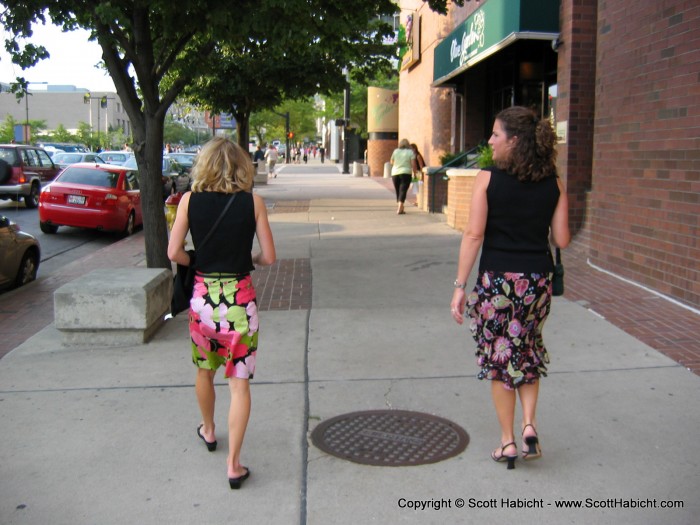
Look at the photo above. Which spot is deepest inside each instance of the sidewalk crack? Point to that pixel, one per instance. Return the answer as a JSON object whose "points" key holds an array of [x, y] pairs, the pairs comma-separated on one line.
{"points": [[387, 402]]}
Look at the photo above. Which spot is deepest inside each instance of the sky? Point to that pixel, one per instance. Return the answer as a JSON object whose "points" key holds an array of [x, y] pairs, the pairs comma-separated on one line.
{"points": [[72, 60]]}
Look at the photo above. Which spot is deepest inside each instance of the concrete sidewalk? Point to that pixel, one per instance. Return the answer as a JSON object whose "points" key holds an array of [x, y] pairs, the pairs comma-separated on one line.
{"points": [[107, 435]]}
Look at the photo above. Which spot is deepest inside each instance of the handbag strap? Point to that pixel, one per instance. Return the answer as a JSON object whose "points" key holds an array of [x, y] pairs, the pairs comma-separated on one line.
{"points": [[557, 252], [228, 205]]}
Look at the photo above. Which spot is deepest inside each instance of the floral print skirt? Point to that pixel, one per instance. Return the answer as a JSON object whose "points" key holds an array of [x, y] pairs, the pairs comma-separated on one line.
{"points": [[224, 324], [507, 312]]}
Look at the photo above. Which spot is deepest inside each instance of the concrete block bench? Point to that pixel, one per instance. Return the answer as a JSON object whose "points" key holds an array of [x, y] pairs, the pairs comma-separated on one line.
{"points": [[113, 306], [260, 172]]}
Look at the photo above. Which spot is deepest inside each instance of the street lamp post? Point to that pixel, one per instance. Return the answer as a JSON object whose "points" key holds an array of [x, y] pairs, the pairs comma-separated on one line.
{"points": [[101, 103], [346, 122], [26, 121]]}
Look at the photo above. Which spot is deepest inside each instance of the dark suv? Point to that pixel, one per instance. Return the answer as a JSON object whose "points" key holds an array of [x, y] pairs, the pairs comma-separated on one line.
{"points": [[23, 171]]}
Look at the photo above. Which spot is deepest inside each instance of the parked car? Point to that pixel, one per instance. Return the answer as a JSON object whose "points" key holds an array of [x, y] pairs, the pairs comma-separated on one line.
{"points": [[186, 160], [65, 159], [97, 196], [174, 176], [19, 255], [52, 151], [67, 147], [118, 158], [23, 171]]}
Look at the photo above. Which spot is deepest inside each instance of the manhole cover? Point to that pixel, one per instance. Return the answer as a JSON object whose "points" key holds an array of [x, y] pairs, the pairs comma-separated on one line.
{"points": [[391, 438]]}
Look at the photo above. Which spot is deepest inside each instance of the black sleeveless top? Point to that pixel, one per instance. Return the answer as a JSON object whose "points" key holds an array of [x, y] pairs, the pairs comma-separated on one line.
{"points": [[228, 250], [517, 228]]}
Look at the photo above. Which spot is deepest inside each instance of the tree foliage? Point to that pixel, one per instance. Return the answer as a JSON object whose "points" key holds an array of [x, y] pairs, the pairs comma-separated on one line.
{"points": [[142, 42], [441, 6], [154, 49], [260, 73]]}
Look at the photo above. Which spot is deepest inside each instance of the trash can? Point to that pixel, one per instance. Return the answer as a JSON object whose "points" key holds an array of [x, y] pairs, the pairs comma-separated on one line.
{"points": [[171, 204], [357, 169], [387, 170]]}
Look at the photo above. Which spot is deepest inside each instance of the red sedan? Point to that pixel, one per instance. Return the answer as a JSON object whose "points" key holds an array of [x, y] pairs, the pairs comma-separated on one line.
{"points": [[97, 196]]}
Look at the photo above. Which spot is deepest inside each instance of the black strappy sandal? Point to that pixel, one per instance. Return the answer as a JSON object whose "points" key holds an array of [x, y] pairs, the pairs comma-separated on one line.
{"points": [[503, 457], [531, 445]]}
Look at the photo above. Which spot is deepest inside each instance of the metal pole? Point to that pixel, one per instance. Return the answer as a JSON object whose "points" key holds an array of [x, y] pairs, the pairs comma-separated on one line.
{"points": [[346, 122], [286, 134], [26, 122]]}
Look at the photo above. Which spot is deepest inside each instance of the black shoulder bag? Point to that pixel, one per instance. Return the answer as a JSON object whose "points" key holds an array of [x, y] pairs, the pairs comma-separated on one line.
{"points": [[558, 278], [183, 282]]}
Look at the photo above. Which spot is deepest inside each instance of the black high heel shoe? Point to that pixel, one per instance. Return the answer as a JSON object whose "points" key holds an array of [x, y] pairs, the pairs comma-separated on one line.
{"points": [[211, 445], [235, 483], [503, 457], [531, 445]]}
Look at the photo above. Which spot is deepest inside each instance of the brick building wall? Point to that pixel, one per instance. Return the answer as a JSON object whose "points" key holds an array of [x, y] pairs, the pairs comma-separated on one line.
{"points": [[645, 216], [576, 70], [379, 152], [425, 112], [459, 188]]}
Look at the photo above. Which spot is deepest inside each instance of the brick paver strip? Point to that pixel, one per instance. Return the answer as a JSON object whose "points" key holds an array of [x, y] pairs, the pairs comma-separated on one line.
{"points": [[286, 285]]}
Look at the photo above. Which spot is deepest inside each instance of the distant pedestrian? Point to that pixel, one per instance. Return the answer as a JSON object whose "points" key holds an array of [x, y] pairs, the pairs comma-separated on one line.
{"points": [[306, 155], [258, 155], [223, 315], [514, 207], [401, 172], [271, 156], [418, 165], [322, 153]]}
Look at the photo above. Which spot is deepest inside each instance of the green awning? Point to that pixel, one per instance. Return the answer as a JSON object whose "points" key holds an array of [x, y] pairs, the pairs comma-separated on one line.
{"points": [[495, 25]]}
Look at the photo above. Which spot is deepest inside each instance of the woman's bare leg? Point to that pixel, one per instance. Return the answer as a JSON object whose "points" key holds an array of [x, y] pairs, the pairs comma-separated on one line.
{"points": [[528, 400], [238, 415], [504, 401], [206, 397]]}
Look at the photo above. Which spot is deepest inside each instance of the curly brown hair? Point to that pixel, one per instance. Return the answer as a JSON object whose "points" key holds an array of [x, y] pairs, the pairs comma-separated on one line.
{"points": [[533, 156]]}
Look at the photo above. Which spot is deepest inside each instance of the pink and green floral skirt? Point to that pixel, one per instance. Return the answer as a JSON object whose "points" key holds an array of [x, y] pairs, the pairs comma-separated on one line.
{"points": [[224, 324], [507, 312]]}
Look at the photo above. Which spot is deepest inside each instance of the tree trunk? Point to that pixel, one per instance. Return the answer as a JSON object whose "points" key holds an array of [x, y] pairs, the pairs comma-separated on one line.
{"points": [[243, 129], [149, 158]]}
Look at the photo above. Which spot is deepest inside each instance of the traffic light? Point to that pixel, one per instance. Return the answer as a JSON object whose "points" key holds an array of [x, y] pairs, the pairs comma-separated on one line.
{"points": [[290, 135], [86, 98], [103, 102]]}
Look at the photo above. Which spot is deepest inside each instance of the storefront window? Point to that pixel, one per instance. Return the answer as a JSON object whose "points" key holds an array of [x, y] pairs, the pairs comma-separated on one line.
{"points": [[531, 96], [552, 99]]}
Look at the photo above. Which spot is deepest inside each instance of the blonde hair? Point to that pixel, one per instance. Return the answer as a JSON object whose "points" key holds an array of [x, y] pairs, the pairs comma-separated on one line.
{"points": [[222, 166], [404, 144]]}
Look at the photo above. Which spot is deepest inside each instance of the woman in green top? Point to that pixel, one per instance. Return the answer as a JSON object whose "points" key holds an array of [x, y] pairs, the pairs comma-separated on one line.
{"points": [[402, 166]]}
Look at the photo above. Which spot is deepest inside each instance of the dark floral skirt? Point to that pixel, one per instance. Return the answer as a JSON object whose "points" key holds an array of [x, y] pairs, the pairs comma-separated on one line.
{"points": [[507, 312]]}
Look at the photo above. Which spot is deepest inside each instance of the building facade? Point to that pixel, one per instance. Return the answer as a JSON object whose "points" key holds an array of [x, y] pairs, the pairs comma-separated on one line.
{"points": [[67, 106], [620, 82]]}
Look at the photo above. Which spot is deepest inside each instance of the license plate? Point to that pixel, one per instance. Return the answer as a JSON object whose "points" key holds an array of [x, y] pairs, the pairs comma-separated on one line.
{"points": [[76, 199]]}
